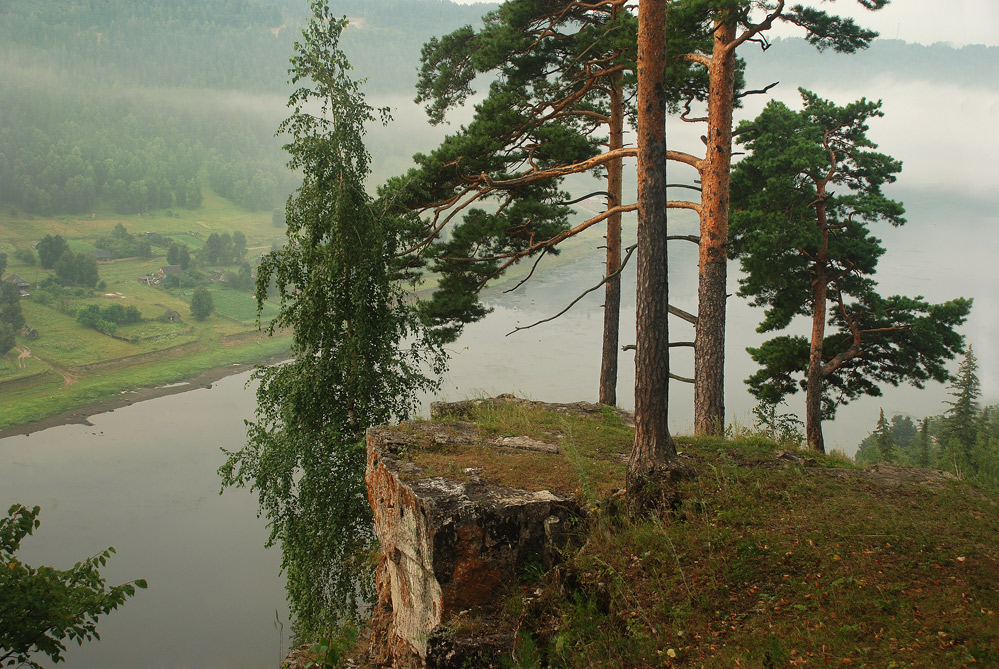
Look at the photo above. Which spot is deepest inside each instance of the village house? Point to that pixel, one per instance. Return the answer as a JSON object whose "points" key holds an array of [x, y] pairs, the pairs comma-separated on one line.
{"points": [[169, 270], [103, 256], [22, 284]]}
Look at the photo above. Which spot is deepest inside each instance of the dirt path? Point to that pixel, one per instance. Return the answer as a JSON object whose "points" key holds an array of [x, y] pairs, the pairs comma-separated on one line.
{"points": [[22, 363], [68, 378]]}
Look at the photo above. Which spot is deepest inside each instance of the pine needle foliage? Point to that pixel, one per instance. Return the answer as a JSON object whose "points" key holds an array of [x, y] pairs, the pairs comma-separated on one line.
{"points": [[961, 424], [803, 205]]}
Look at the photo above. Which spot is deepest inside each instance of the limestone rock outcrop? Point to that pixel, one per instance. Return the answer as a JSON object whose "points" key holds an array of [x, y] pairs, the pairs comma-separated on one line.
{"points": [[447, 546]]}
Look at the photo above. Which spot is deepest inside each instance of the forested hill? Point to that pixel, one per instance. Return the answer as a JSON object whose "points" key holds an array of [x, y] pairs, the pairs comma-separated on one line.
{"points": [[217, 44], [123, 106], [794, 60]]}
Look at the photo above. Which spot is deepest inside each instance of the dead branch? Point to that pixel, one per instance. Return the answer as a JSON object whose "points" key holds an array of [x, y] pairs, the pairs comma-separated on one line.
{"points": [[681, 314], [685, 158], [687, 186], [672, 344], [698, 58], [531, 273], [755, 29], [685, 115], [683, 204], [584, 197], [624, 263], [758, 91]]}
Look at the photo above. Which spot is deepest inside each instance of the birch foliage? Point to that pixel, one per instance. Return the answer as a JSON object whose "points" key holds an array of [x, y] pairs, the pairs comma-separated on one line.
{"points": [[359, 352]]}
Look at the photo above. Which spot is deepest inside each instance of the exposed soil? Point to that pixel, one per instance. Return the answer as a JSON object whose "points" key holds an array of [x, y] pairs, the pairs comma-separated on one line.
{"points": [[25, 353]]}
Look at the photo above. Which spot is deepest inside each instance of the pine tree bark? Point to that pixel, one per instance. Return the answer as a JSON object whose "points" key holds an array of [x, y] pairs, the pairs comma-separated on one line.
{"points": [[709, 351], [813, 386], [653, 445], [813, 383], [612, 289]]}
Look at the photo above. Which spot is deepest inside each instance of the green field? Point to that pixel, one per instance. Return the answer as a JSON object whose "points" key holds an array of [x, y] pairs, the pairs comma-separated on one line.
{"points": [[190, 240], [69, 366], [241, 306]]}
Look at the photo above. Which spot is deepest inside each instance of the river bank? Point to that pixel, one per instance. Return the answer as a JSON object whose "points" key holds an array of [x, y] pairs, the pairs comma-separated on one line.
{"points": [[81, 415]]}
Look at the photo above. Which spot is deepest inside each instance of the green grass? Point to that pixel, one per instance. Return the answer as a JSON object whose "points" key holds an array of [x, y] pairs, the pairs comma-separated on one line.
{"points": [[13, 368], [764, 563], [191, 241], [241, 306], [66, 343], [587, 466], [71, 366], [51, 396], [215, 215]]}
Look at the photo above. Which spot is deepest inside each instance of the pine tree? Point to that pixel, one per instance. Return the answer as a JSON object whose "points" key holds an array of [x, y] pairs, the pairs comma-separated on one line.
{"points": [[904, 433], [563, 74], [733, 24], [924, 444], [985, 455], [803, 202], [961, 419], [883, 439]]}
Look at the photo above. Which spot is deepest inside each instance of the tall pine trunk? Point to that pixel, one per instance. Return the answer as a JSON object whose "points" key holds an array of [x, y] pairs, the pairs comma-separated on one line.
{"points": [[813, 387], [709, 349], [612, 289], [813, 383], [653, 445]]}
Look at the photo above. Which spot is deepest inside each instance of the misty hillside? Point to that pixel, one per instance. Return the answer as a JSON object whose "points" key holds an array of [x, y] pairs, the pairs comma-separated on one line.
{"points": [[794, 60], [125, 106], [218, 44]]}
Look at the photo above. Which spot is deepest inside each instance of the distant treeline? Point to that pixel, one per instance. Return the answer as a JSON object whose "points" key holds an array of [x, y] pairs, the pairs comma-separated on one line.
{"points": [[218, 44], [133, 105], [793, 60], [74, 150], [210, 43]]}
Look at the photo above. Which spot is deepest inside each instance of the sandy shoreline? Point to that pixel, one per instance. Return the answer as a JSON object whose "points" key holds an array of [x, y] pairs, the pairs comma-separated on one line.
{"points": [[81, 415]]}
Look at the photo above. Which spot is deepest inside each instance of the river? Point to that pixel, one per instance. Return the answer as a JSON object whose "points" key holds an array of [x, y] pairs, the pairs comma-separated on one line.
{"points": [[142, 478]]}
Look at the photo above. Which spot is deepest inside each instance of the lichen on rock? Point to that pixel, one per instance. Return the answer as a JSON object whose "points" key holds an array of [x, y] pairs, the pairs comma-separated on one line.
{"points": [[447, 545]]}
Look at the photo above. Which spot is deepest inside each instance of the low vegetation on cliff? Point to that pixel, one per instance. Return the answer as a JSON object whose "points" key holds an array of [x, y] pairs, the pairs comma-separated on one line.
{"points": [[770, 558]]}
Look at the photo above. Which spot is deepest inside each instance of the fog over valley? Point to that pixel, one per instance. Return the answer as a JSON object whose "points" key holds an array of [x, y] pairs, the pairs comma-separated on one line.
{"points": [[143, 136]]}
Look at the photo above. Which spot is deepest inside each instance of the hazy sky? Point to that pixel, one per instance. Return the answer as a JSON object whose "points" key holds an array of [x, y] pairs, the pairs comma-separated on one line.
{"points": [[925, 21]]}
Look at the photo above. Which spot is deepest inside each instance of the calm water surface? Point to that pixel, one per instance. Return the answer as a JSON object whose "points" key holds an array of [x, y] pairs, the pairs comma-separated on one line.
{"points": [[143, 477]]}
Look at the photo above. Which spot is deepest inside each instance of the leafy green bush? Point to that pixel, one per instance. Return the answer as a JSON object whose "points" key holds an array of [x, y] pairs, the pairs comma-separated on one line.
{"points": [[27, 256], [202, 304], [42, 607]]}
